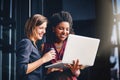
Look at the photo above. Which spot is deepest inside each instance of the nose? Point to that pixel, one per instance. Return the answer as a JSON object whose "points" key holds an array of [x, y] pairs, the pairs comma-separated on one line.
{"points": [[44, 30], [64, 31]]}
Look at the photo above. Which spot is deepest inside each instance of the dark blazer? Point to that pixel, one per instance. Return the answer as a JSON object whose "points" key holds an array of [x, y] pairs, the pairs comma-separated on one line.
{"points": [[27, 53]]}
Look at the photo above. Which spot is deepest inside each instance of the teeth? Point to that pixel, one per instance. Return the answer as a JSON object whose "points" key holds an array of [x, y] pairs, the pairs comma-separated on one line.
{"points": [[63, 36]]}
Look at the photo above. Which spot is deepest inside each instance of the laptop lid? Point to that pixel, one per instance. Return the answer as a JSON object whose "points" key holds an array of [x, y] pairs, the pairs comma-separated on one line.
{"points": [[82, 48]]}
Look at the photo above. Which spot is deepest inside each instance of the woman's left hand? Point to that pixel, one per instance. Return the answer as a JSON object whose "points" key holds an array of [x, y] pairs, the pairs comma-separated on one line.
{"points": [[75, 67]]}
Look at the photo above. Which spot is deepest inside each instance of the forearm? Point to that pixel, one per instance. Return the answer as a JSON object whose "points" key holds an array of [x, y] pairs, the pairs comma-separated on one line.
{"points": [[46, 58], [34, 65]]}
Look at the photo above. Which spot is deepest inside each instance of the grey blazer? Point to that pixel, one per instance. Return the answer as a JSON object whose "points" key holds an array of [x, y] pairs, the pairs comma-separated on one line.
{"points": [[27, 53]]}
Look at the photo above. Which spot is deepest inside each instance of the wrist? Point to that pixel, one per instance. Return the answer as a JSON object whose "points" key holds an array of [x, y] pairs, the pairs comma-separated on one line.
{"points": [[76, 73], [43, 60]]}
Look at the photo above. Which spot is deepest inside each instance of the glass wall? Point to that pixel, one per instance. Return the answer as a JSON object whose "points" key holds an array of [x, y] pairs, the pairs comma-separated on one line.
{"points": [[115, 40]]}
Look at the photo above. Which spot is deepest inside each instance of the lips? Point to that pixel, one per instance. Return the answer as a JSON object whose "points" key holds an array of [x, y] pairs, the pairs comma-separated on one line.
{"points": [[63, 36], [40, 35]]}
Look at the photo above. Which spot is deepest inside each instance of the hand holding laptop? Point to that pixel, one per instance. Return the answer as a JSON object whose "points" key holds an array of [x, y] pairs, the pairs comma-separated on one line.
{"points": [[74, 67]]}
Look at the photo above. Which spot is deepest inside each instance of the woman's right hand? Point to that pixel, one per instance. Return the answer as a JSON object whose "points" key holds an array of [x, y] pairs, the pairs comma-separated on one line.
{"points": [[49, 56]]}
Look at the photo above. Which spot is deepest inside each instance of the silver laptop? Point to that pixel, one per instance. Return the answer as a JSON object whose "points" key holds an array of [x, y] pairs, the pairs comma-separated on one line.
{"points": [[79, 47]]}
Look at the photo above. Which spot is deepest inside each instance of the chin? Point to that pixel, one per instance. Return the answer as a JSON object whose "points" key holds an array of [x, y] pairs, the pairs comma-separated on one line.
{"points": [[40, 38], [63, 39]]}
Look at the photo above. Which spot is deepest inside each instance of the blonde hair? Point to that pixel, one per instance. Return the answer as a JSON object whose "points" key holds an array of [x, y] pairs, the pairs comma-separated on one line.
{"points": [[32, 22]]}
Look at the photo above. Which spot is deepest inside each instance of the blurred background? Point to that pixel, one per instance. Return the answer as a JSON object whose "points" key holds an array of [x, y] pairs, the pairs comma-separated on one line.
{"points": [[92, 18]]}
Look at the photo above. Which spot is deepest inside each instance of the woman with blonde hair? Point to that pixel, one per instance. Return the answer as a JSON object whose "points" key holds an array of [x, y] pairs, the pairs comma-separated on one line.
{"points": [[29, 59]]}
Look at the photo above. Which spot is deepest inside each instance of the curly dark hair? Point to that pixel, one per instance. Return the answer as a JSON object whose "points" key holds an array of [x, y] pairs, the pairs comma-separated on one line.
{"points": [[54, 20]]}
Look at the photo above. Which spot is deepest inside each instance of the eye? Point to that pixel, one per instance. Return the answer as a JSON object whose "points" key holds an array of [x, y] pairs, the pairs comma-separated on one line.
{"points": [[61, 28], [41, 27], [67, 29]]}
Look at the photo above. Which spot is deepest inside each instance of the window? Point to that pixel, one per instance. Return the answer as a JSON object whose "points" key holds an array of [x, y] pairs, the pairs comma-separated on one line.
{"points": [[115, 40]]}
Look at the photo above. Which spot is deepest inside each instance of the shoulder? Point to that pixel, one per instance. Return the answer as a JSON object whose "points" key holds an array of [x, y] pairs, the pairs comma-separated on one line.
{"points": [[25, 40], [24, 43]]}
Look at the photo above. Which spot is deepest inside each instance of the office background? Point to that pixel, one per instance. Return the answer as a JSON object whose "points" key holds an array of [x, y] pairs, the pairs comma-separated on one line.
{"points": [[92, 18]]}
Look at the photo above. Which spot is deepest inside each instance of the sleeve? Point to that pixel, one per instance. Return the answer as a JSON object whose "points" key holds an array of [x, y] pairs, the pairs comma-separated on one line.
{"points": [[23, 52]]}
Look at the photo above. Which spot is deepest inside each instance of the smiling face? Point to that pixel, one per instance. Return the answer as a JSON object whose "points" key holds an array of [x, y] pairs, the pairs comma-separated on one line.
{"points": [[35, 27], [62, 30], [40, 31]]}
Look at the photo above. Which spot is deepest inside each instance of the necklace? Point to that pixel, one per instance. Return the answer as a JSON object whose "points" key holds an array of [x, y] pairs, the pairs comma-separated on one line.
{"points": [[58, 46]]}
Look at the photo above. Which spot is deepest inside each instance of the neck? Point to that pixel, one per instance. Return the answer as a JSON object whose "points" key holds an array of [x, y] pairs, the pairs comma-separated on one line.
{"points": [[33, 40], [58, 45]]}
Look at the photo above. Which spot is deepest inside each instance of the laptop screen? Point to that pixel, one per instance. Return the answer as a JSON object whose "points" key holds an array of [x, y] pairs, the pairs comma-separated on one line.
{"points": [[82, 48]]}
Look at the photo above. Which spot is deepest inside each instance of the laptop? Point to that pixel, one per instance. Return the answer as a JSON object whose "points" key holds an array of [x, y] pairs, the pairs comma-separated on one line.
{"points": [[78, 47]]}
